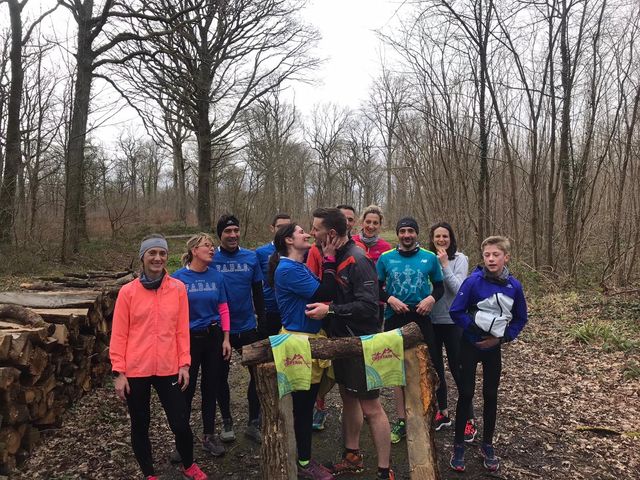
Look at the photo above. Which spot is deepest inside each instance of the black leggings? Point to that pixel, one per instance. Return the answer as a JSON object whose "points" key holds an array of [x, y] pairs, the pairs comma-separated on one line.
{"points": [[491, 361], [239, 340], [303, 401], [206, 350], [447, 336], [173, 402]]}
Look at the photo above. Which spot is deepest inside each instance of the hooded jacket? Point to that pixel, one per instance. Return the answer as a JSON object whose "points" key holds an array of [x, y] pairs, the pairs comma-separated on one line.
{"points": [[488, 306]]}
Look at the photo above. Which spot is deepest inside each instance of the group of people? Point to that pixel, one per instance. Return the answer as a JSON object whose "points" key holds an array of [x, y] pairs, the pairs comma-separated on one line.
{"points": [[168, 329]]}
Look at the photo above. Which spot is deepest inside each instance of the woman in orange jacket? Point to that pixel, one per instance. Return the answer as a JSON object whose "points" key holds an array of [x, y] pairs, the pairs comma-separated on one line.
{"points": [[150, 347]]}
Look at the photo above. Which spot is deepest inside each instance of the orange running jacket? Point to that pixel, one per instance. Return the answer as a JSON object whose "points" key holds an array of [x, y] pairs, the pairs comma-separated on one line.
{"points": [[150, 331]]}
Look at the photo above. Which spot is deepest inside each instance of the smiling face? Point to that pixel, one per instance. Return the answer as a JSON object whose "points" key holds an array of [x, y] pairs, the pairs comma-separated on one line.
{"points": [[153, 262], [494, 259], [371, 224], [230, 238], [299, 240], [408, 238], [441, 238], [319, 231]]}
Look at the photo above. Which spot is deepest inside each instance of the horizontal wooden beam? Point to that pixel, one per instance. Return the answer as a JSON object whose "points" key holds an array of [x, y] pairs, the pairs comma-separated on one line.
{"points": [[326, 348]]}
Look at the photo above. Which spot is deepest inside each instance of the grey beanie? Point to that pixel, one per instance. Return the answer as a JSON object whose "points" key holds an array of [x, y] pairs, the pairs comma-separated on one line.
{"points": [[153, 242]]}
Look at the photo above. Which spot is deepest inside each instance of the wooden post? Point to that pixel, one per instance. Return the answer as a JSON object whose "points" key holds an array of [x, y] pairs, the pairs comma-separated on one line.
{"points": [[278, 451], [419, 397]]}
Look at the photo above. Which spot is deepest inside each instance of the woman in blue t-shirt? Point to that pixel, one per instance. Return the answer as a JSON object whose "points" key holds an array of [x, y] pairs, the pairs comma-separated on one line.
{"points": [[295, 287], [208, 331]]}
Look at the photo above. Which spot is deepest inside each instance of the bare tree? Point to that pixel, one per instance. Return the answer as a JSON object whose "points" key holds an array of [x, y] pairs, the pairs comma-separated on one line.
{"points": [[326, 137], [13, 160], [387, 100], [97, 38], [219, 58]]}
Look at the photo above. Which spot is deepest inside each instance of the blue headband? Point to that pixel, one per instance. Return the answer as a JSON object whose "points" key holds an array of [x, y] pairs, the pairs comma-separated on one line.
{"points": [[153, 242]]}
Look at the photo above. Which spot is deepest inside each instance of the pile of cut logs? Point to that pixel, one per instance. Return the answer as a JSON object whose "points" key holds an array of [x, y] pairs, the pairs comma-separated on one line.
{"points": [[54, 338]]}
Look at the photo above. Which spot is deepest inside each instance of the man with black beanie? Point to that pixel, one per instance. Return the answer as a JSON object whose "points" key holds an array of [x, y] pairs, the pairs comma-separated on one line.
{"points": [[243, 277], [411, 282]]}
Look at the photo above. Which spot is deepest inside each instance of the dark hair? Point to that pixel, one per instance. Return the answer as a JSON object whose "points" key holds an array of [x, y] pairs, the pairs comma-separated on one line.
{"points": [[346, 207], [332, 218], [280, 216], [285, 231], [226, 220], [453, 244]]}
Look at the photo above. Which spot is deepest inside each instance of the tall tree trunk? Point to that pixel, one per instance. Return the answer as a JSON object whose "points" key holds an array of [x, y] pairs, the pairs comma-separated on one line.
{"points": [[203, 208], [483, 186], [564, 162], [75, 226], [552, 190], [13, 149], [180, 183]]}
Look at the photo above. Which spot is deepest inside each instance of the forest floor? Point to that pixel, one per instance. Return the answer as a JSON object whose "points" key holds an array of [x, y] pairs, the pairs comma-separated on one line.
{"points": [[569, 408]]}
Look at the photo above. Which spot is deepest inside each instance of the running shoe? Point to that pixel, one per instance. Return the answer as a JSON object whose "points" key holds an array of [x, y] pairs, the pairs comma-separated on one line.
{"points": [[227, 434], [314, 471], [470, 431], [490, 461], [457, 459], [193, 473], [175, 457], [319, 418], [351, 463], [253, 431], [392, 476], [212, 445], [398, 431], [442, 421]]}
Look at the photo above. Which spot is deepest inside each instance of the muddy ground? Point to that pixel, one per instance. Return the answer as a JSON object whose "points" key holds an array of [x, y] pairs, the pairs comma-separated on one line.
{"points": [[552, 387]]}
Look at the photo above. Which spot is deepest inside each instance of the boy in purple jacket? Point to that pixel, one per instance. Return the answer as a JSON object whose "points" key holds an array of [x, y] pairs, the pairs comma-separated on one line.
{"points": [[491, 309]]}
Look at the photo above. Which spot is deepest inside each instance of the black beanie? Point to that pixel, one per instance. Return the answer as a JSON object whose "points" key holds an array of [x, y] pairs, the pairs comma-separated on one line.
{"points": [[224, 222], [407, 222]]}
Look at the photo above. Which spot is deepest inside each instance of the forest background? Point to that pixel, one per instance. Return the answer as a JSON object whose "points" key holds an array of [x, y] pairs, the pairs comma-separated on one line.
{"points": [[499, 117]]}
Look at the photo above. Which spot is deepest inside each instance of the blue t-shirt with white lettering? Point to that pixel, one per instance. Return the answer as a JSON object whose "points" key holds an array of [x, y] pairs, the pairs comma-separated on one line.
{"points": [[295, 286], [240, 270], [408, 278], [263, 253], [205, 290]]}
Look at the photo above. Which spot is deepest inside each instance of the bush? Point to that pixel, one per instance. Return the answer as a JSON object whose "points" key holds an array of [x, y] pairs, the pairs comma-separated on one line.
{"points": [[611, 335]]}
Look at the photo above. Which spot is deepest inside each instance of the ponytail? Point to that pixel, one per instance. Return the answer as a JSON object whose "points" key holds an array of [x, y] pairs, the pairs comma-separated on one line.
{"points": [[274, 260], [192, 243]]}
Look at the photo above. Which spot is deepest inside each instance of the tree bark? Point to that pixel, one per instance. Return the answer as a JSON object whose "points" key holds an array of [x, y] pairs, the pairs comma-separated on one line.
{"points": [[420, 412], [74, 211], [278, 448], [13, 158], [326, 348]]}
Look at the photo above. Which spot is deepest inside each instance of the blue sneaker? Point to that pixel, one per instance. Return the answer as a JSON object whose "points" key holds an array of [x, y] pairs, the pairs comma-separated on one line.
{"points": [[490, 461], [457, 459], [319, 418]]}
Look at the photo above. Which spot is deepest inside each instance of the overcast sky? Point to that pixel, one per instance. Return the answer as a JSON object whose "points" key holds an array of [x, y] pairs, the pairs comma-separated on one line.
{"points": [[350, 46]]}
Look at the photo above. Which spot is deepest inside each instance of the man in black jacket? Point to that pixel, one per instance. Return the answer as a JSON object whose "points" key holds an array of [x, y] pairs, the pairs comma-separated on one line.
{"points": [[353, 313]]}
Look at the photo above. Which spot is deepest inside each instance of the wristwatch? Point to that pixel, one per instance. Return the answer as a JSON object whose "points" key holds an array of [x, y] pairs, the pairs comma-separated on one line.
{"points": [[330, 311]]}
